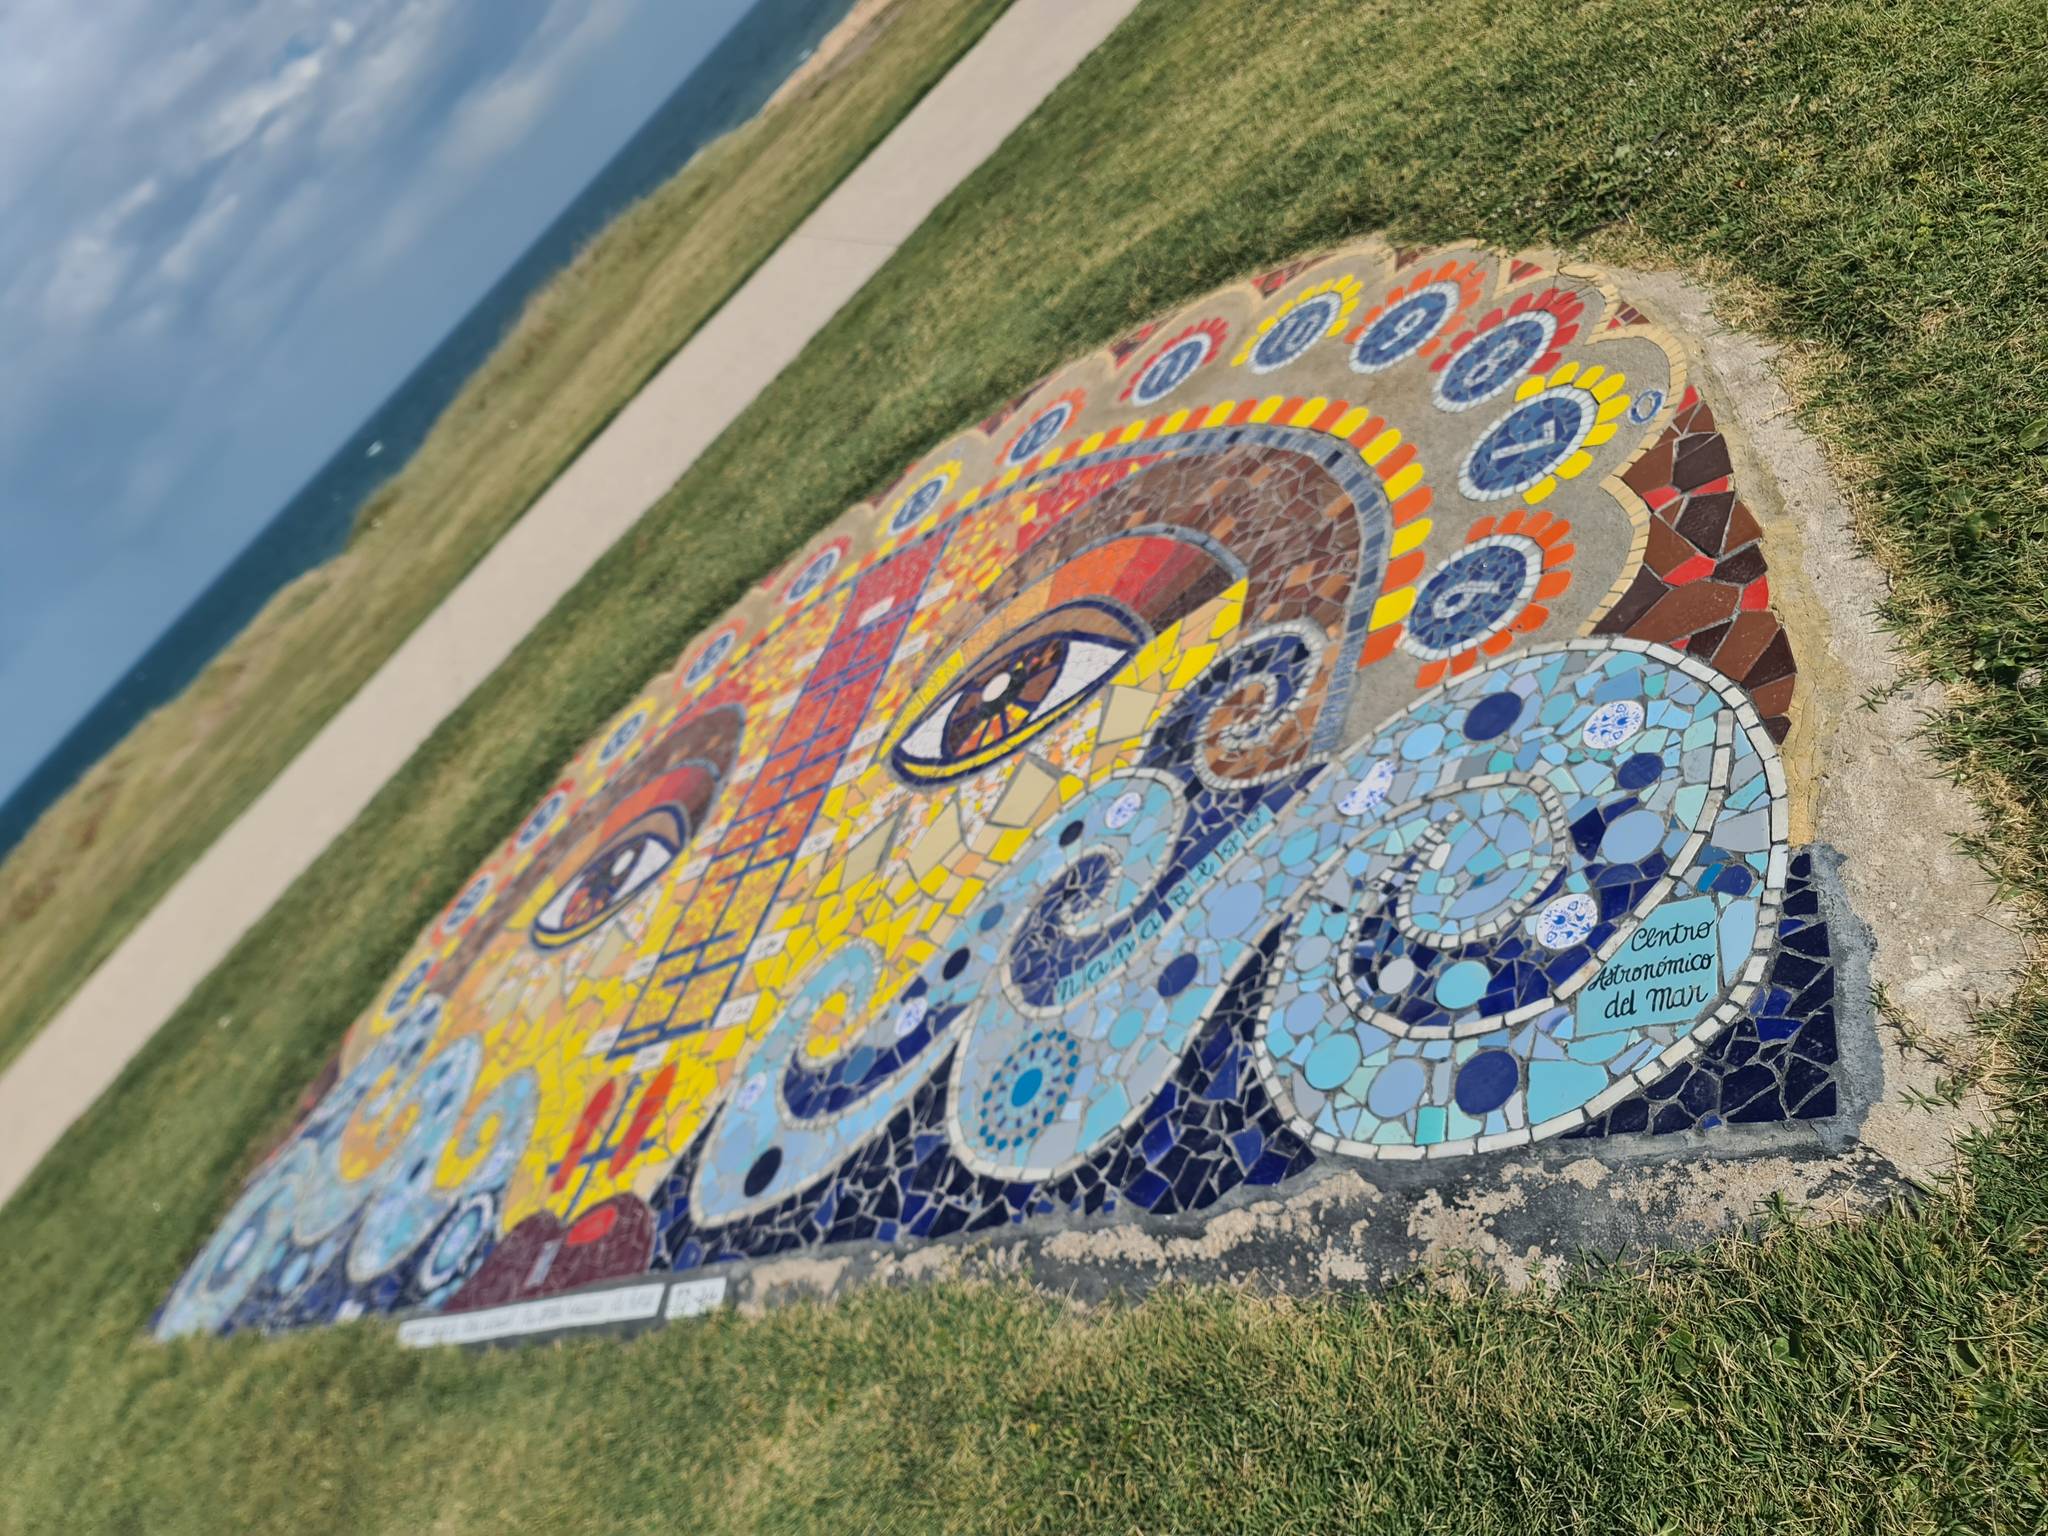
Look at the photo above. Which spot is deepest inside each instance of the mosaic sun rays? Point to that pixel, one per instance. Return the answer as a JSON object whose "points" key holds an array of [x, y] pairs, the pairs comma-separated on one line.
{"points": [[1337, 722]]}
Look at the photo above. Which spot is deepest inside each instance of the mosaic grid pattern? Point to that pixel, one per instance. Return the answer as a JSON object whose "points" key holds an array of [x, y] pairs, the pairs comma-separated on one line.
{"points": [[1336, 722]]}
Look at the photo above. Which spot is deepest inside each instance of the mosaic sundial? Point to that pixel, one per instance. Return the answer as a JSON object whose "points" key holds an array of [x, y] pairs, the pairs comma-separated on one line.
{"points": [[1341, 725]]}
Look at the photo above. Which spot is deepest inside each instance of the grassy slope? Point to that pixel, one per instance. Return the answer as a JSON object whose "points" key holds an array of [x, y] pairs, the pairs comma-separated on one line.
{"points": [[581, 349], [1869, 173]]}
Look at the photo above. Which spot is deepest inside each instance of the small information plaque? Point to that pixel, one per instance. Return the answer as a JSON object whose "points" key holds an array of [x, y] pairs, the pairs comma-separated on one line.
{"points": [[693, 1298], [1667, 971], [592, 1309]]}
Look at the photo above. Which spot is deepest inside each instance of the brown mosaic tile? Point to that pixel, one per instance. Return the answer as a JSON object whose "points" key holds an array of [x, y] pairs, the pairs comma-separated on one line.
{"points": [[1704, 523], [1701, 459]]}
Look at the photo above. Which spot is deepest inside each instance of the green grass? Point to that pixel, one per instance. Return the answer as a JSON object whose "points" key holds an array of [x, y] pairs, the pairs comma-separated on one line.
{"points": [[1869, 179], [99, 859]]}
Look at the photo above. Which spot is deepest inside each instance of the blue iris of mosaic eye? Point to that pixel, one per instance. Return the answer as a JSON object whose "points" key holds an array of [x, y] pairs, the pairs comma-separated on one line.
{"points": [[1403, 328], [1472, 594], [1297, 331], [1039, 436], [620, 871], [1037, 676], [1527, 444], [1490, 363], [1171, 369]]}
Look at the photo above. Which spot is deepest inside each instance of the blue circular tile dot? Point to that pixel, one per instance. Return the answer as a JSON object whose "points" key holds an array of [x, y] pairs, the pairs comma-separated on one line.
{"points": [[1174, 978], [1492, 715], [1630, 837], [1332, 1061], [1486, 1082], [1640, 771], [1026, 1087], [1463, 984], [956, 962], [762, 1173], [1396, 1088]]}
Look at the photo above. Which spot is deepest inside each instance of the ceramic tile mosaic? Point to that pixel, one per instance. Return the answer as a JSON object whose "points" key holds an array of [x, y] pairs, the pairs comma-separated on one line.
{"points": [[1336, 724]]}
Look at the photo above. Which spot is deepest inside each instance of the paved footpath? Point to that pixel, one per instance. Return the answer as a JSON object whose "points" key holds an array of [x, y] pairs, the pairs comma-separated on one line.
{"points": [[760, 330]]}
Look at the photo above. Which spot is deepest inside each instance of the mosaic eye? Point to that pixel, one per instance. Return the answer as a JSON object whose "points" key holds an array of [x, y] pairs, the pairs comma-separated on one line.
{"points": [[617, 873], [1032, 678]]}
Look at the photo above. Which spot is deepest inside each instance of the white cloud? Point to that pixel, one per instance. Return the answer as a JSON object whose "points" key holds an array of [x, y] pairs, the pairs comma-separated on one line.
{"points": [[87, 278], [295, 219], [492, 120], [90, 267], [403, 224], [177, 265], [152, 320], [243, 115], [139, 197], [150, 475], [397, 60], [497, 115], [172, 75], [50, 65]]}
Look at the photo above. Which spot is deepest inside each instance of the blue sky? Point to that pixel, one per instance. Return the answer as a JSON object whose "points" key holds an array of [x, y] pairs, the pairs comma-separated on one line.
{"points": [[228, 228]]}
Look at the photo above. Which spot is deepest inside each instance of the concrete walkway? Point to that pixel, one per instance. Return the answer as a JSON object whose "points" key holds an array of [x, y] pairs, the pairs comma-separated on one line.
{"points": [[761, 329]]}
